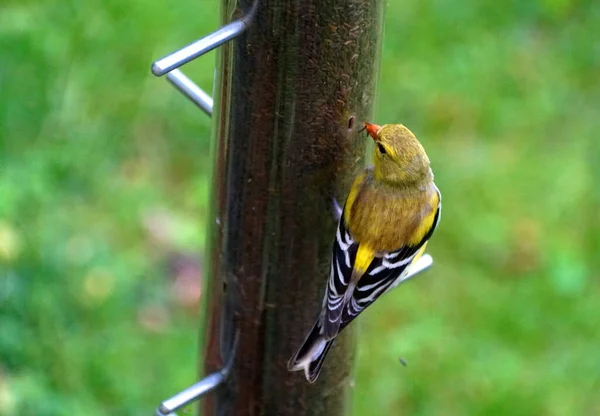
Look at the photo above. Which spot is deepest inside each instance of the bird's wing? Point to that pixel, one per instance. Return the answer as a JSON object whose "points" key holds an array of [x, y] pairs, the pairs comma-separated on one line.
{"points": [[381, 275], [342, 264]]}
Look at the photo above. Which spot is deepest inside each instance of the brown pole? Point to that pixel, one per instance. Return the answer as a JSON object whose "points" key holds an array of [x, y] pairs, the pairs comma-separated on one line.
{"points": [[290, 96]]}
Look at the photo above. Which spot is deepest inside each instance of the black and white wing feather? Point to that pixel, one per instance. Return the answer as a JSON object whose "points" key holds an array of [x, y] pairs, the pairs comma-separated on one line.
{"points": [[384, 273]]}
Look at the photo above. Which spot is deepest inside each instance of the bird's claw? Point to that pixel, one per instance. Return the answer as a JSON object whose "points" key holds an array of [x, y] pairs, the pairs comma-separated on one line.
{"points": [[337, 210]]}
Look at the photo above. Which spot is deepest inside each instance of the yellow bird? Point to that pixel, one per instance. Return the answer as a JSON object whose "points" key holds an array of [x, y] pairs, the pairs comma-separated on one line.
{"points": [[390, 213]]}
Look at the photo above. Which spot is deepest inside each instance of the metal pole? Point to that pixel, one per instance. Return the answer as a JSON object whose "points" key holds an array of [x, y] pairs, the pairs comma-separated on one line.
{"points": [[290, 95]]}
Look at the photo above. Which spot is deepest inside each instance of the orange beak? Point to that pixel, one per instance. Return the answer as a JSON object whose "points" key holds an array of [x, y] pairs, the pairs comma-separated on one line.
{"points": [[372, 129]]}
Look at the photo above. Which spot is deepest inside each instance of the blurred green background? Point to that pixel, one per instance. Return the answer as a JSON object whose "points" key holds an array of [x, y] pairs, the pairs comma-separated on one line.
{"points": [[104, 183]]}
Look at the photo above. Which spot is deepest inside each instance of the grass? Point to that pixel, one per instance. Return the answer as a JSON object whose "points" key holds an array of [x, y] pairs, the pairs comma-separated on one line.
{"points": [[103, 190]]}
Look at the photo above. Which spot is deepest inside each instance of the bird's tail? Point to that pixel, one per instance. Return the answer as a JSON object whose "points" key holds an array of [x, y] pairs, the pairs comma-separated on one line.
{"points": [[311, 355]]}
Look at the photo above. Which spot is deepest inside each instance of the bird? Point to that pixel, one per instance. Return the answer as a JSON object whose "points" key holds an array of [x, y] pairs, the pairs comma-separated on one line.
{"points": [[390, 213]]}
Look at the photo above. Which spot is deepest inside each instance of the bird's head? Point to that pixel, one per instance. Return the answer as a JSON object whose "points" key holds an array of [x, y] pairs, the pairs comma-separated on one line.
{"points": [[398, 157]]}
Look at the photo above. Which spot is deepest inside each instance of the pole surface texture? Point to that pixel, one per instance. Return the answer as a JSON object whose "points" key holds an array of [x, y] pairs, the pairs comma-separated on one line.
{"points": [[290, 97]]}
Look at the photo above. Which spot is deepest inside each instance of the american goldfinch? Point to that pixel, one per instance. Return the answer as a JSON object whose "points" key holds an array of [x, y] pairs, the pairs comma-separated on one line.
{"points": [[389, 215]]}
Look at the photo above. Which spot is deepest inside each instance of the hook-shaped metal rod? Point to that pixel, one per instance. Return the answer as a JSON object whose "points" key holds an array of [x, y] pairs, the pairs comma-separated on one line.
{"points": [[204, 386], [188, 88], [198, 48], [424, 262]]}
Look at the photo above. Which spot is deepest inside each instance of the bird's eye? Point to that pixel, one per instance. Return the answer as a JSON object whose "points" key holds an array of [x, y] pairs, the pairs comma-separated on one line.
{"points": [[381, 149]]}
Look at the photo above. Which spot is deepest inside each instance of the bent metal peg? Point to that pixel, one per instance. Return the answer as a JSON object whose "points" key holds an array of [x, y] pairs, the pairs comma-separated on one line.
{"points": [[169, 65]]}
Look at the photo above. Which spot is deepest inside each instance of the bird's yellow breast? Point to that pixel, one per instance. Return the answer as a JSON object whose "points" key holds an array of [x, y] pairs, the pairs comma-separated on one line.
{"points": [[385, 217]]}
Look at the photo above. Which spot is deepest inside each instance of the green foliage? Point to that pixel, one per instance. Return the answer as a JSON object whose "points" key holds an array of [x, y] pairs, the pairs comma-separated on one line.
{"points": [[103, 190]]}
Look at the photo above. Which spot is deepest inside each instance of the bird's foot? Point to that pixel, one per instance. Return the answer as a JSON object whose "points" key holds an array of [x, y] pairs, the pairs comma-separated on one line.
{"points": [[337, 210]]}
